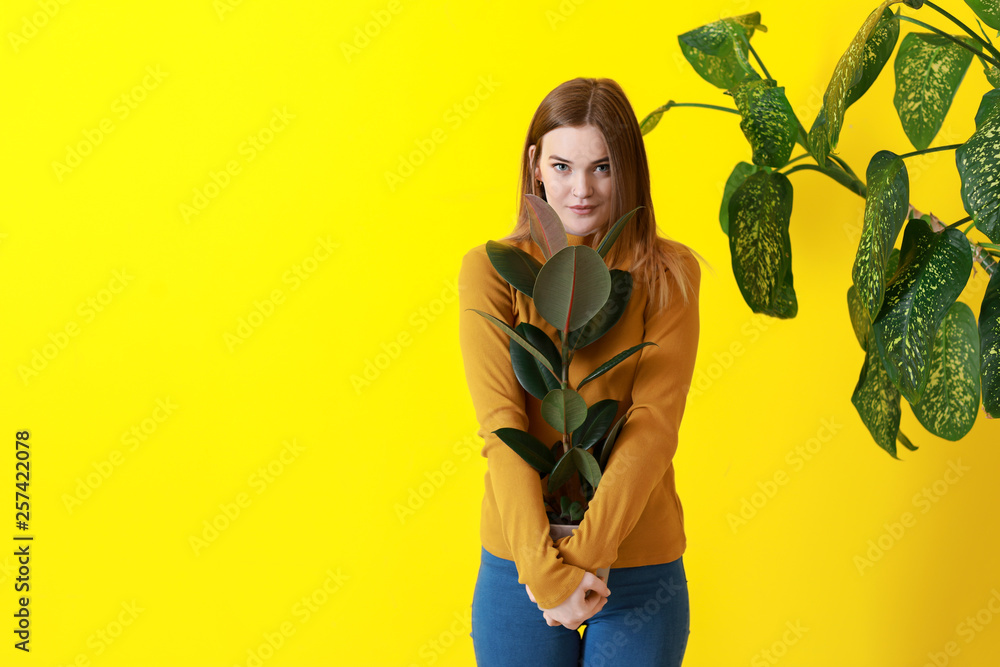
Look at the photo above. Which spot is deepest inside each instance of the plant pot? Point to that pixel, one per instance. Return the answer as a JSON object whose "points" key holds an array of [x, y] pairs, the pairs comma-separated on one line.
{"points": [[557, 530]]}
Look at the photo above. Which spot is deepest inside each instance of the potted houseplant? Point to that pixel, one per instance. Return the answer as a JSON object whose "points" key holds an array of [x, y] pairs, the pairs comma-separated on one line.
{"points": [[575, 292]]}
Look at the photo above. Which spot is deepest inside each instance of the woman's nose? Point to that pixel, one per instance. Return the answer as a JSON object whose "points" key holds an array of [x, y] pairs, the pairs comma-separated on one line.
{"points": [[582, 187]]}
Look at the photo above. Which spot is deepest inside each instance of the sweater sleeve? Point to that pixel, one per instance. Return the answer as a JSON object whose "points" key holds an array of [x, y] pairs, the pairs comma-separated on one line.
{"points": [[647, 441], [499, 401]]}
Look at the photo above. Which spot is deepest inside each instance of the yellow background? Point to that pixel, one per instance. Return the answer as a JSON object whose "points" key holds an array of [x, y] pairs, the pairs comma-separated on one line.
{"points": [[335, 274]]}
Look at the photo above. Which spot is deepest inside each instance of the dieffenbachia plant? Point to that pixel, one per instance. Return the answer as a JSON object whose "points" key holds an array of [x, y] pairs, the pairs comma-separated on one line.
{"points": [[920, 342], [575, 292]]}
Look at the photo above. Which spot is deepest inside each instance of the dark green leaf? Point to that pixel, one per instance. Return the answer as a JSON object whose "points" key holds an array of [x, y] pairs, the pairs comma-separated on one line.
{"points": [[606, 317], [736, 178], [933, 270], [529, 448], [859, 317], [978, 161], [608, 365], [717, 50], [877, 401], [929, 68], [759, 213], [562, 471], [886, 207], [564, 410], [513, 264], [535, 379], [520, 341], [950, 403], [609, 442], [989, 336], [609, 240], [768, 121], [572, 286], [599, 418], [587, 465]]}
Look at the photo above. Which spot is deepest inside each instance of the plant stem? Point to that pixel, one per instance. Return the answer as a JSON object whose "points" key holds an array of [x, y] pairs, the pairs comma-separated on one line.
{"points": [[949, 147], [958, 222], [843, 164], [956, 40], [989, 245], [851, 183], [797, 158], [966, 230], [992, 49], [703, 106], [759, 61]]}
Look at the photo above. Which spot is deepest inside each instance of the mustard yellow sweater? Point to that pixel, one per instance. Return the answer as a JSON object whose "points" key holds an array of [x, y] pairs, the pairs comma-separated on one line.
{"points": [[635, 517]]}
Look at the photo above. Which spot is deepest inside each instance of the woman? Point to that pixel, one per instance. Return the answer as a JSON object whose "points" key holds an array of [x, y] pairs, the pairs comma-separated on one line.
{"points": [[584, 155]]}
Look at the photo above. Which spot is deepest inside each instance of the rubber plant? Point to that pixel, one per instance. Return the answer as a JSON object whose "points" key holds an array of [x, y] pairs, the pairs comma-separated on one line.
{"points": [[920, 343], [575, 292]]}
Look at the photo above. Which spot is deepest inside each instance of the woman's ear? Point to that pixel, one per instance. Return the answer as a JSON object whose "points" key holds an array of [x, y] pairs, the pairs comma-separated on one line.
{"points": [[535, 173]]}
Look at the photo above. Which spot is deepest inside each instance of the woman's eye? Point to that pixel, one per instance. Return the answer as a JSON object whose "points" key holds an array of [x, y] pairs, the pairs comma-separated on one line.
{"points": [[606, 167], [559, 164]]}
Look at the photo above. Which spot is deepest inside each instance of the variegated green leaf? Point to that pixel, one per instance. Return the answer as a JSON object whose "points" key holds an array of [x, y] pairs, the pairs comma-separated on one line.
{"points": [[717, 50], [859, 318], [768, 121], [929, 68], [878, 49], [759, 213], [564, 410], [978, 161], [877, 401], [736, 178], [989, 336], [886, 207], [786, 304], [933, 270], [987, 10], [950, 402], [849, 72], [992, 75]]}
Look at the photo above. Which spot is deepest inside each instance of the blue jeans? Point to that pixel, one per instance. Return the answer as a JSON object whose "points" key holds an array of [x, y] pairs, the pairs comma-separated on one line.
{"points": [[646, 621]]}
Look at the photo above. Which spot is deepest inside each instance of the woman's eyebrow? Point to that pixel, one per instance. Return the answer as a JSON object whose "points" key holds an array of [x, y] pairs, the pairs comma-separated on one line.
{"points": [[562, 159]]}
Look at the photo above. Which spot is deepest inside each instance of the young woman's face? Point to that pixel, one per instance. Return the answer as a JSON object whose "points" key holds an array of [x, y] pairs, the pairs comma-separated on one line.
{"points": [[576, 172]]}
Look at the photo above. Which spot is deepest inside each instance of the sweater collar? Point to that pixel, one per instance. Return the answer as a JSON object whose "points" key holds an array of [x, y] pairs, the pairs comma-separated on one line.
{"points": [[576, 239]]}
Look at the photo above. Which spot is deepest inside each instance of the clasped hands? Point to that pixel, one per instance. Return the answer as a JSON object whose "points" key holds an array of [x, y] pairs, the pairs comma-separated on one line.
{"points": [[577, 608]]}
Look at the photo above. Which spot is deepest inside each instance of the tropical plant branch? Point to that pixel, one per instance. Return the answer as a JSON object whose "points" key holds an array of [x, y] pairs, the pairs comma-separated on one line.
{"points": [[992, 49], [849, 181], [958, 222], [956, 40], [949, 147], [759, 61], [698, 104]]}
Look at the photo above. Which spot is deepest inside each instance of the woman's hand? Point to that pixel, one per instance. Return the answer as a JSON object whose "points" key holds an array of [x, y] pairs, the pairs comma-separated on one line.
{"points": [[577, 608]]}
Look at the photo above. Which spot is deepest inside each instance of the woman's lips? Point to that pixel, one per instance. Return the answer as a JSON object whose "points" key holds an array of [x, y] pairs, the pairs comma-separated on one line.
{"points": [[582, 210]]}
